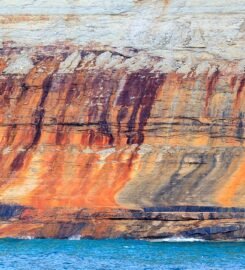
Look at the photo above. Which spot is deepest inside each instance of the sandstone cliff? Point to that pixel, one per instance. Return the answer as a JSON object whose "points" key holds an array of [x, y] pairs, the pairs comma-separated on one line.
{"points": [[122, 118]]}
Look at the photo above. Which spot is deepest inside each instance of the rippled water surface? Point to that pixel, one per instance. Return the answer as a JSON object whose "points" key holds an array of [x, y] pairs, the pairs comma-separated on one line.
{"points": [[120, 254]]}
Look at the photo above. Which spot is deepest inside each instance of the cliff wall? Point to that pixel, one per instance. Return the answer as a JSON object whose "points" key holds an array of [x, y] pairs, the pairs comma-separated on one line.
{"points": [[122, 119]]}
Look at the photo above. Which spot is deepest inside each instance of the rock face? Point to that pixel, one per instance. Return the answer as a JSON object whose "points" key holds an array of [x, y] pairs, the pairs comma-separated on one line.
{"points": [[122, 119]]}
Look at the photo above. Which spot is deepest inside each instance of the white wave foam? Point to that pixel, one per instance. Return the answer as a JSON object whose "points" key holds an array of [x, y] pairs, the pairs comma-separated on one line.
{"points": [[25, 237], [176, 239], [240, 240], [75, 237]]}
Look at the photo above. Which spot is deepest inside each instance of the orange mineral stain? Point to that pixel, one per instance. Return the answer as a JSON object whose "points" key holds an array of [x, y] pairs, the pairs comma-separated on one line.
{"points": [[98, 138], [85, 178], [236, 183]]}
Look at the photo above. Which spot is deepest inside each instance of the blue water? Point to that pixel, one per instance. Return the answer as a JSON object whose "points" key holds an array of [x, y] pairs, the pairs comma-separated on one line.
{"points": [[120, 254]]}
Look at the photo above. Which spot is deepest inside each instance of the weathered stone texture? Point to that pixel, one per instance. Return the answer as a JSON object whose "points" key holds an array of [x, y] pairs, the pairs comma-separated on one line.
{"points": [[111, 108]]}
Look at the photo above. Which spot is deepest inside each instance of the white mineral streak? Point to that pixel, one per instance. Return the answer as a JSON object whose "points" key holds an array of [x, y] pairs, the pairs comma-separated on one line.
{"points": [[182, 32], [106, 60], [105, 153], [6, 150], [19, 65], [70, 63], [144, 149]]}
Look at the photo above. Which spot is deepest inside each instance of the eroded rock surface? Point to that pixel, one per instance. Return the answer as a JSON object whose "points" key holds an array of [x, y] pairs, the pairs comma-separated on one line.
{"points": [[122, 119]]}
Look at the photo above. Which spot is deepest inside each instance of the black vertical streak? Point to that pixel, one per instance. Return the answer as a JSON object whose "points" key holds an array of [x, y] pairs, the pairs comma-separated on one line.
{"points": [[104, 125], [240, 127], [102, 92], [39, 114], [139, 91], [240, 88]]}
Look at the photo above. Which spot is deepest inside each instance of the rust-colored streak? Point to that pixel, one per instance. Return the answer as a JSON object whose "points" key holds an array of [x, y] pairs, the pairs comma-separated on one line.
{"points": [[38, 114], [233, 82], [239, 101], [240, 89], [210, 88], [2, 65], [93, 181], [228, 195], [22, 140], [139, 93], [72, 18], [13, 19]]}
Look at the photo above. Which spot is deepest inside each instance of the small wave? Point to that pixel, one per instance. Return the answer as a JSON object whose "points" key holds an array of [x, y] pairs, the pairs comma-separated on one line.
{"points": [[25, 237], [240, 240], [75, 237], [176, 239]]}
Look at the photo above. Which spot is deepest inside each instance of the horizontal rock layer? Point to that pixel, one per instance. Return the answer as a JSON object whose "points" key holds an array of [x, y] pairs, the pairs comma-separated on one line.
{"points": [[122, 119], [219, 224]]}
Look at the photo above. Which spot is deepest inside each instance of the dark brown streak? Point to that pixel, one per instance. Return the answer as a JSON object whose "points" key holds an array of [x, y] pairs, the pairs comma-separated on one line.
{"points": [[211, 83], [240, 88], [140, 92], [39, 114]]}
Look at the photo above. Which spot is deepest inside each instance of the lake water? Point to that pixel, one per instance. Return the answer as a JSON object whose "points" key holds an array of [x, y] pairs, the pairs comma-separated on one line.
{"points": [[120, 254]]}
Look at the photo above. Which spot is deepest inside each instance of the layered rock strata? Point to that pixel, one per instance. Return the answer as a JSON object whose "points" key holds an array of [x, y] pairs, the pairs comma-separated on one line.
{"points": [[122, 135]]}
